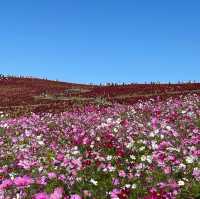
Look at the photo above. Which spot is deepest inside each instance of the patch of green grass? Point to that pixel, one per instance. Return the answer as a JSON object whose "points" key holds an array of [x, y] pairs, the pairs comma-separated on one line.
{"points": [[198, 123]]}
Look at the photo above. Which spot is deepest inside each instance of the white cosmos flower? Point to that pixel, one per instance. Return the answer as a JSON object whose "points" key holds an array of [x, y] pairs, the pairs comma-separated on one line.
{"points": [[162, 136], [143, 158], [149, 123], [18, 196], [192, 148], [105, 169], [41, 142], [190, 114], [151, 134], [133, 186], [111, 169], [109, 157], [5, 125], [109, 120], [189, 159], [118, 120], [168, 128], [181, 182], [156, 131], [38, 137], [154, 145], [142, 148], [185, 179], [104, 125], [75, 148], [140, 125], [129, 145], [76, 152], [127, 186], [115, 129], [78, 179], [182, 166], [40, 169], [149, 159], [12, 175], [132, 157], [94, 182]]}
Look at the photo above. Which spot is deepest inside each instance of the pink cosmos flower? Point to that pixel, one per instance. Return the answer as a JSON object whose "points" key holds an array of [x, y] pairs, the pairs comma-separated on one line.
{"points": [[114, 193], [173, 184], [75, 196], [60, 156], [130, 176], [28, 133], [3, 170], [122, 173], [2, 194], [62, 177], [115, 181], [52, 175], [42, 195], [5, 184], [154, 122], [196, 173], [57, 194], [163, 145], [167, 170], [26, 164], [41, 180], [23, 181]]}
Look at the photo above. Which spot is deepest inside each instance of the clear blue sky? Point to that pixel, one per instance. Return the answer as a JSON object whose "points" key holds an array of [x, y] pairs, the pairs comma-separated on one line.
{"points": [[101, 40]]}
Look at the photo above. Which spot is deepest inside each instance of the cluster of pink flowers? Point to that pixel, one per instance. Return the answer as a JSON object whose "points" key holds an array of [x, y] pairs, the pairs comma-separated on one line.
{"points": [[148, 150], [57, 194]]}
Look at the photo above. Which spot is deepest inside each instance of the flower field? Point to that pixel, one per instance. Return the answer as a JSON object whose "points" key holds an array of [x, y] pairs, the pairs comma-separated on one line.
{"points": [[147, 150]]}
